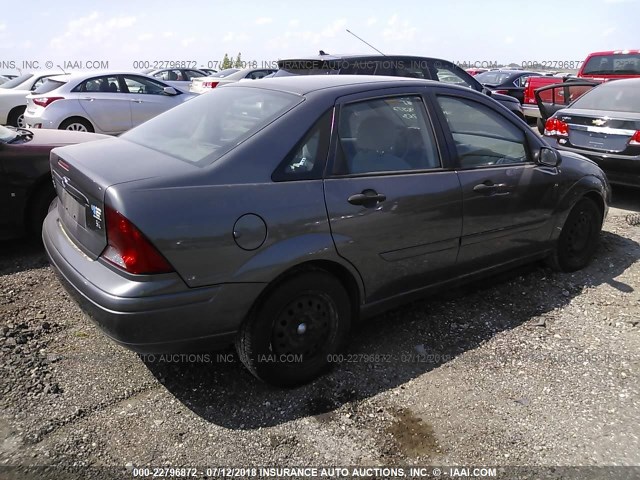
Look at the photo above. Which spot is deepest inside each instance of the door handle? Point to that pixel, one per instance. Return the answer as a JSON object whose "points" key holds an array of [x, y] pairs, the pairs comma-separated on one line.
{"points": [[367, 198], [488, 187], [90, 99], [136, 101]]}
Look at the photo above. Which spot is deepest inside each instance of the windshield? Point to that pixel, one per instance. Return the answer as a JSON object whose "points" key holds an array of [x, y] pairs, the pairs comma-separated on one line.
{"points": [[6, 134], [618, 96], [17, 81], [203, 129], [628, 64], [493, 78]]}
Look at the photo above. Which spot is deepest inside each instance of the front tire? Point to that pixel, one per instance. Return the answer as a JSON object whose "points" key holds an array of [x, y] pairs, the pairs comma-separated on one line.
{"points": [[289, 338], [579, 237], [76, 124]]}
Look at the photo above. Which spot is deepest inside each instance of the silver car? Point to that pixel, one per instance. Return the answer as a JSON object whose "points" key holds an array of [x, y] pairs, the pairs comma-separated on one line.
{"points": [[107, 102], [178, 77], [231, 75]]}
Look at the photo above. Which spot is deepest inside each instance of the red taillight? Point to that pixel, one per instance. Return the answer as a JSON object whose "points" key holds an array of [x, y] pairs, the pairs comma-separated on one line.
{"points": [[635, 140], [209, 84], [503, 92], [556, 128], [46, 101], [129, 249]]}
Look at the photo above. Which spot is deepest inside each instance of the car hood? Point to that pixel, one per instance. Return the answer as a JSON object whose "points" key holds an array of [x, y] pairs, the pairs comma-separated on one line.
{"points": [[59, 138]]}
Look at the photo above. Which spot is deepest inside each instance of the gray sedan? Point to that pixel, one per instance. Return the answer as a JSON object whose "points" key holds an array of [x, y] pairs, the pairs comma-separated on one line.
{"points": [[273, 214]]}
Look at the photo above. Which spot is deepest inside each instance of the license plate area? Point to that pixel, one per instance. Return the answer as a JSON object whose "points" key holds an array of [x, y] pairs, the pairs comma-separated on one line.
{"points": [[73, 208]]}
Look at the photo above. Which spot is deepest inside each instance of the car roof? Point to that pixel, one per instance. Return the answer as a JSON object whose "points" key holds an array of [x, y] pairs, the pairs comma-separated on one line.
{"points": [[613, 52], [337, 57], [625, 82], [95, 73], [304, 84]]}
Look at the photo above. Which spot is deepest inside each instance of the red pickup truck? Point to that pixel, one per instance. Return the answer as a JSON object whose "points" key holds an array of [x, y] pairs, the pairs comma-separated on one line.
{"points": [[598, 67]]}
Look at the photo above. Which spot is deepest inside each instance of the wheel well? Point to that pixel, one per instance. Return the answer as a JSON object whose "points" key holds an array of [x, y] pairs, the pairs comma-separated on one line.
{"points": [[77, 117], [343, 275], [14, 111], [598, 200]]}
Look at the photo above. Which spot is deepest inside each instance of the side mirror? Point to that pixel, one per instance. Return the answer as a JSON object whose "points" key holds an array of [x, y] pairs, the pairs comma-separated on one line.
{"points": [[170, 91], [487, 91], [549, 157]]}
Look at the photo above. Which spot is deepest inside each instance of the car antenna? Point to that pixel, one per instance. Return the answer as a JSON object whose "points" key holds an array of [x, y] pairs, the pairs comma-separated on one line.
{"points": [[61, 69], [364, 41]]}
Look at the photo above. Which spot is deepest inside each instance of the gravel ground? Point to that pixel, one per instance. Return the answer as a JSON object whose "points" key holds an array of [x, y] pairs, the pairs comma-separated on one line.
{"points": [[530, 368]]}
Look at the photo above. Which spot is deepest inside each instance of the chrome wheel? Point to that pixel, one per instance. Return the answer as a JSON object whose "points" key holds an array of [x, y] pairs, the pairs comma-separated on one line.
{"points": [[76, 127]]}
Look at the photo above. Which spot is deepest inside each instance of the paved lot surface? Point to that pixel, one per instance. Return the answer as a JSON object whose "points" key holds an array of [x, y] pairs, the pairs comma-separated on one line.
{"points": [[531, 368]]}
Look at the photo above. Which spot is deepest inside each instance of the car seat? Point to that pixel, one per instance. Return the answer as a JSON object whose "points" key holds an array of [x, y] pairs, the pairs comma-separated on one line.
{"points": [[375, 142]]}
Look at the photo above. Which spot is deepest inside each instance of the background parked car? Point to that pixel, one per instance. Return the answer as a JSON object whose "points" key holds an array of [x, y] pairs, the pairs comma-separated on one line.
{"points": [[208, 71], [4, 79], [237, 221], [13, 93], [603, 124], [177, 77], [104, 102], [395, 66], [475, 71], [506, 82], [204, 84], [26, 189], [598, 67]]}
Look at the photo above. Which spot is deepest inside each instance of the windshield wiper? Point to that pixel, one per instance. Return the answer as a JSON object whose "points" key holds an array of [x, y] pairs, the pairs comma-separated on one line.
{"points": [[21, 133]]}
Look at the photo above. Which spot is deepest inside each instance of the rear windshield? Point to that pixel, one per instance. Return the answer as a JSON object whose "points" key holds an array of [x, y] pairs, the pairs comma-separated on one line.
{"points": [[224, 73], [493, 78], [628, 64], [17, 81], [47, 86], [615, 96], [203, 129]]}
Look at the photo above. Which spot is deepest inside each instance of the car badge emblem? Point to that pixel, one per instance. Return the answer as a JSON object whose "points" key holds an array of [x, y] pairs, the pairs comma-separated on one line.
{"points": [[599, 122]]}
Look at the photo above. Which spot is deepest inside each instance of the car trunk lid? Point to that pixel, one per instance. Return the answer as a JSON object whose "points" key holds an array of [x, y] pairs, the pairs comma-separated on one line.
{"points": [[83, 173], [600, 130]]}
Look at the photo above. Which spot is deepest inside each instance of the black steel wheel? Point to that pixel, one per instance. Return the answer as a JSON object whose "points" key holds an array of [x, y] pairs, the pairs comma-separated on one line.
{"points": [[289, 337], [578, 240]]}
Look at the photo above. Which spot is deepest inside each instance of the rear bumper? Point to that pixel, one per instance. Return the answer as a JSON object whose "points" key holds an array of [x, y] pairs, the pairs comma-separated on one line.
{"points": [[149, 314], [620, 169], [531, 111]]}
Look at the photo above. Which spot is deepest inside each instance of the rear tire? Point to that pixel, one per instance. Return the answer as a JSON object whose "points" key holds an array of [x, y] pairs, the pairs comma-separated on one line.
{"points": [[77, 124], [16, 117], [578, 239], [289, 338]]}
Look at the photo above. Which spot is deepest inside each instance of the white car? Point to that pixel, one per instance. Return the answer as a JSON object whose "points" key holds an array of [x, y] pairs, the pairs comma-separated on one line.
{"points": [[13, 95], [177, 77], [101, 102], [230, 75]]}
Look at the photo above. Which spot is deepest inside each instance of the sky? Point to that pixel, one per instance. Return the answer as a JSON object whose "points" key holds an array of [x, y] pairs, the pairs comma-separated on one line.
{"points": [[132, 35]]}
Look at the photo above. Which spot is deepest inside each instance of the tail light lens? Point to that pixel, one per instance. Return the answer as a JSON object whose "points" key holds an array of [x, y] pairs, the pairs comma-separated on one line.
{"points": [[46, 101], [128, 249], [503, 92], [556, 128], [635, 140], [209, 84]]}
